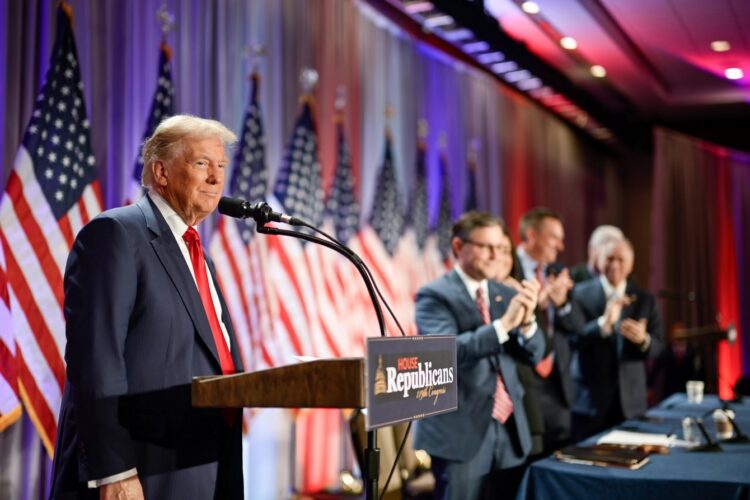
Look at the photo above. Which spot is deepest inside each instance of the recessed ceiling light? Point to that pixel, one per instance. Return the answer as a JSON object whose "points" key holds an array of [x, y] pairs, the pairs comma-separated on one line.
{"points": [[720, 46], [568, 42], [733, 73], [598, 71], [530, 7]]}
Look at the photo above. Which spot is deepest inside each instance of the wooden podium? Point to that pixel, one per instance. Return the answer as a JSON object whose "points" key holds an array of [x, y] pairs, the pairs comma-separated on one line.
{"points": [[324, 383]]}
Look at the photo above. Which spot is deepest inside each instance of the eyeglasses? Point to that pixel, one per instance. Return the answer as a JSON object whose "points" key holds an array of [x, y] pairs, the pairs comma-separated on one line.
{"points": [[486, 247]]}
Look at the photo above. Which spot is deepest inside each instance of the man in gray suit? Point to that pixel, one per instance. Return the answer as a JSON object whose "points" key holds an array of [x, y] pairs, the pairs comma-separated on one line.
{"points": [[487, 439], [623, 328], [145, 315]]}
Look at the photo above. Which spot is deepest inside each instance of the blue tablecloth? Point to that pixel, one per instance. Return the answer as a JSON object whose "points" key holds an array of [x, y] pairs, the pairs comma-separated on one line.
{"points": [[679, 475]]}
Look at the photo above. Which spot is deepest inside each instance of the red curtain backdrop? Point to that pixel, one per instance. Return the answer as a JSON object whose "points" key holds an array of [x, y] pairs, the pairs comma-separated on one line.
{"points": [[700, 221]]}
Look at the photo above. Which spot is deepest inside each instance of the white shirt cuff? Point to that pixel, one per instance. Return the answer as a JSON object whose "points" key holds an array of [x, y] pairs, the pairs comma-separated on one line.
{"points": [[565, 309], [530, 330], [113, 479], [502, 335], [646, 343]]}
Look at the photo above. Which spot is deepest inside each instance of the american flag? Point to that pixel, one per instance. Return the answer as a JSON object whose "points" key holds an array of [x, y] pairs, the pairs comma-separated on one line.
{"points": [[162, 106], [419, 214], [239, 256], [344, 289], [51, 193], [472, 199], [411, 249], [379, 240], [338, 292], [445, 214], [10, 405], [298, 192]]}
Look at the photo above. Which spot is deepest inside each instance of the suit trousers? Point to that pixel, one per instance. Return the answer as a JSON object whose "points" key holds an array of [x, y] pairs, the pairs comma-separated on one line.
{"points": [[468, 480]]}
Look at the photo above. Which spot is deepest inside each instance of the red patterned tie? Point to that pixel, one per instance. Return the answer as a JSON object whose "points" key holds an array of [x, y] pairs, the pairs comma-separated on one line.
{"points": [[199, 268], [503, 405]]}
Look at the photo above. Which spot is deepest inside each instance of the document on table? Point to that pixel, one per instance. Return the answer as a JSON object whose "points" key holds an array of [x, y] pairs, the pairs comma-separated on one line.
{"points": [[636, 438]]}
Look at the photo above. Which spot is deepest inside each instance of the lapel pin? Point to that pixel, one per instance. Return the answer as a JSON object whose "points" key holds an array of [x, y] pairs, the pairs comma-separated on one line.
{"points": [[498, 298]]}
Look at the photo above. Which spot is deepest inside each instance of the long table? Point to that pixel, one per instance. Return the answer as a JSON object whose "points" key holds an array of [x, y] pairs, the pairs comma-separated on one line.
{"points": [[681, 474]]}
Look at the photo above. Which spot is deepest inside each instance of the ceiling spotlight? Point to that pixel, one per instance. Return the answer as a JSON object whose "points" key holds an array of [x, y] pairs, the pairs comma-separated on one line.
{"points": [[720, 46], [530, 7], [734, 73], [490, 57], [541, 92], [437, 21], [569, 43], [517, 76], [504, 67], [529, 84], [474, 47], [458, 34], [598, 71], [417, 7]]}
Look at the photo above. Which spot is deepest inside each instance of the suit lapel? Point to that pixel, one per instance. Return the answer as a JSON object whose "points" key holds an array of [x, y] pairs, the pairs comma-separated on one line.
{"points": [[171, 258], [498, 302], [629, 310], [466, 303]]}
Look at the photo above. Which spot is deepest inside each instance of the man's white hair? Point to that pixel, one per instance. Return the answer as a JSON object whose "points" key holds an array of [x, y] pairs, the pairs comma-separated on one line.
{"points": [[604, 234], [167, 140]]}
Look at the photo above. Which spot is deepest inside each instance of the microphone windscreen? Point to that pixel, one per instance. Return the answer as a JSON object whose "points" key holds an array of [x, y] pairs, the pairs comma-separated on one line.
{"points": [[233, 207]]}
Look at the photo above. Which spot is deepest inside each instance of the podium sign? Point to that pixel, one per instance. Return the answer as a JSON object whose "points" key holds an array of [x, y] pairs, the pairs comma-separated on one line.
{"points": [[409, 378]]}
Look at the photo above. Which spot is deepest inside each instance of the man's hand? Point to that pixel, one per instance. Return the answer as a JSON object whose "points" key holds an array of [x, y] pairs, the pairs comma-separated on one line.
{"points": [[634, 331], [522, 305], [613, 311], [558, 288], [127, 489], [513, 283]]}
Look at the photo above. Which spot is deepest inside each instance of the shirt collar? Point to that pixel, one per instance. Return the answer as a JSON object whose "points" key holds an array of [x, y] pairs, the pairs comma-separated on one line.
{"points": [[470, 283], [528, 264], [174, 221], [609, 290]]}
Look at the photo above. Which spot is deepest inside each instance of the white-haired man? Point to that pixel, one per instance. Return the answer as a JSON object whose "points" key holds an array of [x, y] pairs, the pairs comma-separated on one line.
{"points": [[144, 316], [600, 237]]}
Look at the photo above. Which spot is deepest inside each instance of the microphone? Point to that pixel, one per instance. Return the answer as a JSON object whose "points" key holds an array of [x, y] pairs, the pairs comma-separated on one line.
{"points": [[261, 211]]}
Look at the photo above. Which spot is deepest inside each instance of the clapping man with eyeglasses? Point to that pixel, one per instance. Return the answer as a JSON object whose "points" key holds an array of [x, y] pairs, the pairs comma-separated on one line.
{"points": [[480, 448]]}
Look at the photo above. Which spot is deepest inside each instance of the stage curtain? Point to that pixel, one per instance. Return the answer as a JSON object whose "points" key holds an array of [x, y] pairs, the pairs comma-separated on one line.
{"points": [[699, 242]]}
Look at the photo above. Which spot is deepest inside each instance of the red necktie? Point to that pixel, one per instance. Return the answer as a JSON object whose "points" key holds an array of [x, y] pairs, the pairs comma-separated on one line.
{"points": [[540, 275], [199, 268], [503, 405]]}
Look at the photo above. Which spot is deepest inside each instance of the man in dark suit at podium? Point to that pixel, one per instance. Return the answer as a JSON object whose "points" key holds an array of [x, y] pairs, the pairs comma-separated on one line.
{"points": [[144, 315], [623, 328], [487, 439]]}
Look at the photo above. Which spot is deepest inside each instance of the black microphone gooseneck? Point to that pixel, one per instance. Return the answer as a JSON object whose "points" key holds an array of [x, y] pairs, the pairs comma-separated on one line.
{"points": [[262, 214]]}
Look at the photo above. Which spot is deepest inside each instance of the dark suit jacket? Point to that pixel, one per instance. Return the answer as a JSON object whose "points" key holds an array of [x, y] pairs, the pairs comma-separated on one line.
{"points": [[137, 334], [606, 366], [581, 272], [445, 307]]}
